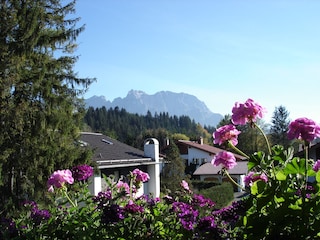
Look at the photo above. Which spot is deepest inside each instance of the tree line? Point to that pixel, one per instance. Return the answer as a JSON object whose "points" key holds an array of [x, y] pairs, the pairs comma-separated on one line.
{"points": [[132, 128]]}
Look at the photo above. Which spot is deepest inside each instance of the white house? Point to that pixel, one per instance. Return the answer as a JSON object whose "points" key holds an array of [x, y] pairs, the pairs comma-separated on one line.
{"points": [[198, 153], [116, 158], [208, 172], [198, 156]]}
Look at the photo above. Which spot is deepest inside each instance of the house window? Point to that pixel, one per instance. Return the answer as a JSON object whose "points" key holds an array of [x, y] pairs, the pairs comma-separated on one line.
{"points": [[203, 160], [195, 161]]}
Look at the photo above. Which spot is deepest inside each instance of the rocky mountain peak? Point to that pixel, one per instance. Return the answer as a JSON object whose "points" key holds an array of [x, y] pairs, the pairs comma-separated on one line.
{"points": [[179, 104]]}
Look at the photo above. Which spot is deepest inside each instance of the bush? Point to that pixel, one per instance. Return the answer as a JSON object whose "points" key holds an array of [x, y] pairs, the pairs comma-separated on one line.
{"points": [[200, 185], [119, 213], [222, 194]]}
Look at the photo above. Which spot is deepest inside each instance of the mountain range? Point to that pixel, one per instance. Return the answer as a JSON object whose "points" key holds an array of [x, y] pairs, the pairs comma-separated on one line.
{"points": [[179, 104]]}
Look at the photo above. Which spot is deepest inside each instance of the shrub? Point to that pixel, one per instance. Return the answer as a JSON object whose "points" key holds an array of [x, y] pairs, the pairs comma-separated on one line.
{"points": [[118, 213], [222, 194], [199, 185]]}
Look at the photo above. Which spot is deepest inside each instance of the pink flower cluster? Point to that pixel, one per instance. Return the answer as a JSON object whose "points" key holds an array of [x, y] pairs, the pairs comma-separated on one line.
{"points": [[140, 176], [225, 134], [253, 177], [242, 113], [227, 159], [185, 185], [304, 129], [246, 112], [316, 166], [123, 186], [59, 178], [82, 172]]}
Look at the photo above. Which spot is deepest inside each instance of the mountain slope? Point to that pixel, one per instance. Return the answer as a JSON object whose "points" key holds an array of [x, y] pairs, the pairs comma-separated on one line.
{"points": [[165, 101]]}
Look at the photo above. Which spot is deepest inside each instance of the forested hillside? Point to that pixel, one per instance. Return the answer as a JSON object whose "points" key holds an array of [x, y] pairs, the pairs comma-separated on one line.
{"points": [[133, 128]]}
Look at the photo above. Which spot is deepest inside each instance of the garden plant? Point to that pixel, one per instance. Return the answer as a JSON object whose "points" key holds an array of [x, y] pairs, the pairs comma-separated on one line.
{"points": [[282, 199]]}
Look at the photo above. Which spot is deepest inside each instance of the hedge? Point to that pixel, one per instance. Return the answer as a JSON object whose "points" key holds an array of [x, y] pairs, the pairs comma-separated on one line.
{"points": [[222, 194]]}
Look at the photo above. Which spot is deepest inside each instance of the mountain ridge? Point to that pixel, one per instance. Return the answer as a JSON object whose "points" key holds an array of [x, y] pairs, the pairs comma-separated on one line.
{"points": [[173, 103]]}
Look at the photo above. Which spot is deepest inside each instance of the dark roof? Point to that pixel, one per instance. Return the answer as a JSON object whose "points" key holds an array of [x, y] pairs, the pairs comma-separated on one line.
{"points": [[109, 152], [209, 169], [207, 148]]}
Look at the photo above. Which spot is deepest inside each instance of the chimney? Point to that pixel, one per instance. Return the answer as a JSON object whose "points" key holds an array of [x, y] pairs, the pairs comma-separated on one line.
{"points": [[200, 141], [151, 149], [166, 141]]}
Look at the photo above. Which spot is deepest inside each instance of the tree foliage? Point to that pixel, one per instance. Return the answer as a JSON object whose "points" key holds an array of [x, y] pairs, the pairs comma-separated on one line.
{"points": [[133, 129], [41, 111], [279, 128], [173, 171]]}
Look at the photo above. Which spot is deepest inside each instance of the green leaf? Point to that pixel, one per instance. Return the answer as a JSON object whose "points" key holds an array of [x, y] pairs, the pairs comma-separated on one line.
{"points": [[281, 176], [258, 187], [255, 159], [251, 165], [296, 166], [318, 176], [297, 205], [279, 199]]}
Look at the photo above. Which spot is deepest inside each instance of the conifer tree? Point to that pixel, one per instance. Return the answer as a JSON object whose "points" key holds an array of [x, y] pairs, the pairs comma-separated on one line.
{"points": [[279, 127], [40, 96], [174, 170]]}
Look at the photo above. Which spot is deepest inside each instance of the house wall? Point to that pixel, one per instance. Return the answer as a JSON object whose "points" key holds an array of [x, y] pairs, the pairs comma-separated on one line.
{"points": [[95, 184], [197, 156]]}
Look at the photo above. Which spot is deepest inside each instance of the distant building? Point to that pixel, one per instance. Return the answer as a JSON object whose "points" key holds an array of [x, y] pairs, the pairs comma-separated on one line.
{"points": [[208, 172], [198, 156], [116, 158], [313, 152], [198, 153]]}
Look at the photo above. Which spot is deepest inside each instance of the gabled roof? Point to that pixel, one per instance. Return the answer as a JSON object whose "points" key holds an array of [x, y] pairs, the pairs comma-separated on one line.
{"points": [[207, 148], [109, 152], [208, 169]]}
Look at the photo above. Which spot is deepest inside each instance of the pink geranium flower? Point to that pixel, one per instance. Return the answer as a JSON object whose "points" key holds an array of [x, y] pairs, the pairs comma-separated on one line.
{"points": [[246, 112], [123, 186], [304, 129], [59, 178], [226, 133], [227, 159], [316, 166], [185, 185], [140, 176], [252, 177], [82, 172]]}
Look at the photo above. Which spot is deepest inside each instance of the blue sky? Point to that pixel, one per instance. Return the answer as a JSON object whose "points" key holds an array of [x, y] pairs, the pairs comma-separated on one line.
{"points": [[220, 51]]}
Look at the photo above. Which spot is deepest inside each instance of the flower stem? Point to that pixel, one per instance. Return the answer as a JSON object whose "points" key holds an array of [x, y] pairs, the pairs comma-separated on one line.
{"points": [[234, 182], [131, 186], [237, 150], [264, 135], [269, 148], [69, 199], [306, 147]]}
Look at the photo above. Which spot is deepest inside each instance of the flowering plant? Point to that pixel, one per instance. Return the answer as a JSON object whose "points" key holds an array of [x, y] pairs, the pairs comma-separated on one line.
{"points": [[283, 200], [284, 193], [119, 212]]}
